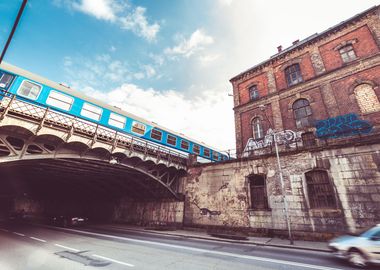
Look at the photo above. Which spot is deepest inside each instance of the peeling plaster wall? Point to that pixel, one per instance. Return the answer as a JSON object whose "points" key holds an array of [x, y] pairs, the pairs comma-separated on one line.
{"points": [[223, 190], [144, 213]]}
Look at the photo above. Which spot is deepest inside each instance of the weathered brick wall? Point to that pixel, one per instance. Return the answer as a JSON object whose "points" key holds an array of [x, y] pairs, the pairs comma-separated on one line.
{"points": [[223, 189], [261, 82]]}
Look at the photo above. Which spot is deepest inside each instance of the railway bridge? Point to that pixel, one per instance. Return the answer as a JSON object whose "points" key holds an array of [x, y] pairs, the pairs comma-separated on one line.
{"points": [[50, 155]]}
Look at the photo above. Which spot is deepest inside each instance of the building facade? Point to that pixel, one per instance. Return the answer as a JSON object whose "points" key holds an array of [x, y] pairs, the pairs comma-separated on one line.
{"points": [[317, 102]]}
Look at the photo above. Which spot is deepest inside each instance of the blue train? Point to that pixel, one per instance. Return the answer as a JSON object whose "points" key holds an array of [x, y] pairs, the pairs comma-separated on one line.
{"points": [[33, 88]]}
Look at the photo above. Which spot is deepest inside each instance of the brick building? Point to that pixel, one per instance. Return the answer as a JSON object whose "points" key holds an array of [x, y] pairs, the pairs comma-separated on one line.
{"points": [[319, 99]]}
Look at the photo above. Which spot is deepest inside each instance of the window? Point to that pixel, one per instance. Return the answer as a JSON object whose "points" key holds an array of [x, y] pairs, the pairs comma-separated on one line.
{"points": [[215, 155], [347, 53], [138, 128], [257, 186], [257, 129], [302, 113], [206, 152], [171, 139], [367, 98], [184, 144], [5, 80], [91, 111], [156, 134], [117, 120], [29, 90], [293, 74], [59, 100], [319, 189], [196, 149], [253, 93], [308, 139]]}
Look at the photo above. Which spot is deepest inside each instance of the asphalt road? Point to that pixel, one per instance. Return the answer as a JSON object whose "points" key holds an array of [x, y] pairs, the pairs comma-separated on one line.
{"points": [[24, 247]]}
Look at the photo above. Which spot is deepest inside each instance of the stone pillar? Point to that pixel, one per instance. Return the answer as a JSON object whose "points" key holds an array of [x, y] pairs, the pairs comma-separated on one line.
{"points": [[277, 115], [374, 26], [235, 90], [329, 100], [317, 61], [239, 146], [271, 81]]}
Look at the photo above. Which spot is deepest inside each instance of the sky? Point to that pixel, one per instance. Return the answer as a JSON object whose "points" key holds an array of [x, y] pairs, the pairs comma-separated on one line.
{"points": [[168, 61]]}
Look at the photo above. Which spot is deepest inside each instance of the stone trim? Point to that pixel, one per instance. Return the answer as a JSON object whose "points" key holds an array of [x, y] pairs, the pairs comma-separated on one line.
{"points": [[345, 43]]}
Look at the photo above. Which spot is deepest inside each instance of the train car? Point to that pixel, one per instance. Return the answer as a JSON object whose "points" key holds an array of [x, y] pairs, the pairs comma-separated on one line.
{"points": [[38, 90]]}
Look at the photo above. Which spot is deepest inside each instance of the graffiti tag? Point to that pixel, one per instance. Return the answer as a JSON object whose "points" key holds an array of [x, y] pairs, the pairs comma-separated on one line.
{"points": [[282, 137], [342, 126]]}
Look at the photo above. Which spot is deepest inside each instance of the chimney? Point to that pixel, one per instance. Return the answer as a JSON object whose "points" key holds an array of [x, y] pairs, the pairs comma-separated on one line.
{"points": [[296, 41], [279, 48]]}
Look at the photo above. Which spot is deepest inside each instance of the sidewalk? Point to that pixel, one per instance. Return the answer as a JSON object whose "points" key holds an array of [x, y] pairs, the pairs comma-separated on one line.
{"points": [[259, 241]]}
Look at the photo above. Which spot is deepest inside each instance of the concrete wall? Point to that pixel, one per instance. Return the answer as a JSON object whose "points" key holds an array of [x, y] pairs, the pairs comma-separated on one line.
{"points": [[223, 190]]}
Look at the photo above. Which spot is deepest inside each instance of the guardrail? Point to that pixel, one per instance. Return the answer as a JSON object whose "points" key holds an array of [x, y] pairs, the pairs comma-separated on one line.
{"points": [[47, 116]]}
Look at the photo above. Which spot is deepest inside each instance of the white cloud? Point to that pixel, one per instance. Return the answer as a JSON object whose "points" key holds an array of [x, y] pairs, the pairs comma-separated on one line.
{"points": [[208, 58], [202, 117], [118, 12], [150, 71], [138, 23], [187, 47]]}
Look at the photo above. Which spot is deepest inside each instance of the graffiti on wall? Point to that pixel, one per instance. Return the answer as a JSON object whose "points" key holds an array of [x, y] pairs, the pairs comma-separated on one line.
{"points": [[288, 137], [342, 126]]}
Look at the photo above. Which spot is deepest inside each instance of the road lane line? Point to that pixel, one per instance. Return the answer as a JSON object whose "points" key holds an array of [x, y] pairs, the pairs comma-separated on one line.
{"points": [[73, 249], [38, 239], [248, 257], [20, 234], [112, 260]]}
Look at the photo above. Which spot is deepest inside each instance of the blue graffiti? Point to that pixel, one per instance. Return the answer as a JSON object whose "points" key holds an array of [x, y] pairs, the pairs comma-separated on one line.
{"points": [[342, 126]]}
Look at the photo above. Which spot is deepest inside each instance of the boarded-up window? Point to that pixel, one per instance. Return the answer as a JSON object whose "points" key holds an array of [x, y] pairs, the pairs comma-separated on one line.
{"points": [[367, 98], [138, 128], [320, 191], [172, 140], [259, 200], [308, 139], [184, 144], [156, 134]]}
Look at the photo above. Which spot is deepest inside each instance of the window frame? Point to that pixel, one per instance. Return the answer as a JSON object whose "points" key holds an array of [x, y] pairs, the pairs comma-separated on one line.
{"points": [[196, 149], [253, 89], [206, 152], [261, 204], [258, 125], [306, 109], [153, 130], [6, 86], [26, 96], [63, 95], [345, 53], [85, 110], [185, 142], [293, 74], [168, 139], [134, 128], [114, 120]]}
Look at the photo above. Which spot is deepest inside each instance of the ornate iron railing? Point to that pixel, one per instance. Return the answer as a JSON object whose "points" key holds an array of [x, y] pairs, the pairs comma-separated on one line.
{"points": [[47, 116]]}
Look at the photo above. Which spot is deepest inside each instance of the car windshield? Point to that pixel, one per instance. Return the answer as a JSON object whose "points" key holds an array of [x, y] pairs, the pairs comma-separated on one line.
{"points": [[371, 232]]}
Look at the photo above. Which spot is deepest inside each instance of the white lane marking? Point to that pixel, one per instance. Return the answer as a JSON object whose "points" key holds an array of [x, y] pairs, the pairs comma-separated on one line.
{"points": [[112, 260], [4, 230], [248, 257], [37, 239], [73, 249], [20, 234]]}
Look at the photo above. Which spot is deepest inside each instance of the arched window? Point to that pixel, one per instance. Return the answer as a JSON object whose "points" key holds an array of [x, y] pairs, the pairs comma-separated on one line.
{"points": [[293, 74], [253, 93], [302, 113], [347, 53], [367, 98], [257, 129], [319, 189], [258, 192]]}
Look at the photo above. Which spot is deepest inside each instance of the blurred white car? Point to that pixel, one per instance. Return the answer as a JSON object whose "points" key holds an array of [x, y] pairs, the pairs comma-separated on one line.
{"points": [[359, 250]]}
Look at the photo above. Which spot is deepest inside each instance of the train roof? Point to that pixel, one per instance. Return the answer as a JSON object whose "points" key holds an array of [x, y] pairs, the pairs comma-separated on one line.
{"points": [[76, 93]]}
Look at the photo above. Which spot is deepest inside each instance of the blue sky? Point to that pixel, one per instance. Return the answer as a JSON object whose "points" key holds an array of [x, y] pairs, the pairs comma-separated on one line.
{"points": [[167, 61]]}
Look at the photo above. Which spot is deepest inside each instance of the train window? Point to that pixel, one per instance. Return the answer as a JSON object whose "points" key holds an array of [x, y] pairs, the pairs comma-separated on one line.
{"points": [[59, 100], [156, 134], [5, 80], [206, 152], [117, 120], [138, 128], [215, 156], [184, 144], [29, 90], [91, 111], [196, 149], [171, 139]]}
